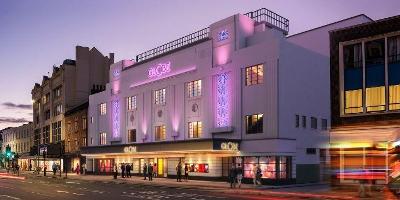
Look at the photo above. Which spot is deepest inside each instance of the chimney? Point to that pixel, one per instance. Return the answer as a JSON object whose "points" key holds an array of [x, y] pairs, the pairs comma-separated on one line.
{"points": [[111, 57]]}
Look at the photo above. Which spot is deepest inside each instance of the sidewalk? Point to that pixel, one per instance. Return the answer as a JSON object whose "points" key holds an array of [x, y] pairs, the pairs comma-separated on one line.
{"points": [[296, 191]]}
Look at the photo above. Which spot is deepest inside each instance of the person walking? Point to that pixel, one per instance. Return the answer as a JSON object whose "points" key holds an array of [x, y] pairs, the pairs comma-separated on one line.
{"points": [[254, 170], [128, 170], [150, 172], [186, 172], [232, 176], [144, 171], [239, 175], [179, 172], [30, 167], [115, 171], [77, 169], [259, 175], [54, 168], [123, 170], [155, 170], [17, 168]]}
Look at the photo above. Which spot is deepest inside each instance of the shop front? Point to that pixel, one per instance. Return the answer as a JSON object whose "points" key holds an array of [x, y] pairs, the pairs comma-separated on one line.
{"points": [[204, 158], [208, 159]]}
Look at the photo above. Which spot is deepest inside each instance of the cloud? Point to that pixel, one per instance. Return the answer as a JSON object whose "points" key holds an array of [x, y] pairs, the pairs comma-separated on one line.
{"points": [[13, 120], [18, 106]]}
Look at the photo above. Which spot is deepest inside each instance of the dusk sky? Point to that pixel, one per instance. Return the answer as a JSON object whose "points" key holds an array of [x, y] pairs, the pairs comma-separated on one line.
{"points": [[35, 35]]}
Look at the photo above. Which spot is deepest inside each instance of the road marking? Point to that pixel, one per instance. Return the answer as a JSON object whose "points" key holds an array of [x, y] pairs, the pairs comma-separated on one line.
{"points": [[62, 191], [78, 194], [10, 197]]}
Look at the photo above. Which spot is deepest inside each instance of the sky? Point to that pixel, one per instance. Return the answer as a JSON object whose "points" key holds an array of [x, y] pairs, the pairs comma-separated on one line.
{"points": [[35, 35]]}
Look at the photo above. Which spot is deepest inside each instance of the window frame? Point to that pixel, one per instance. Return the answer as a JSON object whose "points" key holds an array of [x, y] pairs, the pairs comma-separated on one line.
{"points": [[194, 88], [103, 109], [254, 74], [259, 128], [195, 129]]}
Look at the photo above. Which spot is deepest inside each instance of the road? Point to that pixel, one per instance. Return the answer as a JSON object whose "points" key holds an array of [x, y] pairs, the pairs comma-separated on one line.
{"points": [[42, 189]]}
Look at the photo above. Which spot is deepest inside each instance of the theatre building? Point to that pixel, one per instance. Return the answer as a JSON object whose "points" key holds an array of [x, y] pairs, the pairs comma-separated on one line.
{"points": [[365, 92], [237, 92]]}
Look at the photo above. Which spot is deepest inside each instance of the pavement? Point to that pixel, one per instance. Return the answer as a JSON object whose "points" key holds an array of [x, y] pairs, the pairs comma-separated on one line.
{"points": [[247, 191]]}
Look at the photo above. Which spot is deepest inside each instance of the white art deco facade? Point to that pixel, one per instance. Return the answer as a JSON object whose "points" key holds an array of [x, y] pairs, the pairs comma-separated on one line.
{"points": [[237, 92]]}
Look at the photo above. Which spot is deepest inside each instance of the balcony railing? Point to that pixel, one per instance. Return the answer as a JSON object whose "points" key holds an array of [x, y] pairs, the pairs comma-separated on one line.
{"points": [[183, 41], [260, 15], [265, 15]]}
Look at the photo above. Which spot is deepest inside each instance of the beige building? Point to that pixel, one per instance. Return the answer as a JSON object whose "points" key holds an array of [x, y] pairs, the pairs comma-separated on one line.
{"points": [[69, 86], [20, 139]]}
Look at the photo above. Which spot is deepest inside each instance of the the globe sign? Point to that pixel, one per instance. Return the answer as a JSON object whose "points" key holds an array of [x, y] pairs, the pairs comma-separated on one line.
{"points": [[159, 70]]}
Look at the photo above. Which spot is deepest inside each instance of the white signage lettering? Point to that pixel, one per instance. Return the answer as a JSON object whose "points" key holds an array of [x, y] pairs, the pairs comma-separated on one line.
{"points": [[230, 146], [130, 149]]}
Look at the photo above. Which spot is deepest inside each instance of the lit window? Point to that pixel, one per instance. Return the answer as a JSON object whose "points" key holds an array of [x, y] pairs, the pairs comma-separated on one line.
{"points": [[160, 133], [254, 74], [132, 135], [353, 101], [84, 141], [58, 109], [194, 88], [131, 103], [103, 109], [254, 123], [57, 92], [103, 138], [195, 129], [313, 122], [394, 97], [84, 123], [46, 98], [375, 99], [91, 120], [159, 97]]}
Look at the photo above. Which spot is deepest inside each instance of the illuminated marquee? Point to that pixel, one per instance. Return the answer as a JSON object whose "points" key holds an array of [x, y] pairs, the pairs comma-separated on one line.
{"points": [[230, 146], [222, 101], [130, 149], [115, 118], [159, 70]]}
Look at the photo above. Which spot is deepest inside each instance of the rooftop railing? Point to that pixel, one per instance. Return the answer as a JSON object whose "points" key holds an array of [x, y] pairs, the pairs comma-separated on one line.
{"points": [[265, 15], [183, 41], [260, 15]]}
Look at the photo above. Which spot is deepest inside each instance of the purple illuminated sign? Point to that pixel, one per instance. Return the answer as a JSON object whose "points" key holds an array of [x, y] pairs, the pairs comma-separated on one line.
{"points": [[159, 70], [222, 101], [223, 35], [115, 118]]}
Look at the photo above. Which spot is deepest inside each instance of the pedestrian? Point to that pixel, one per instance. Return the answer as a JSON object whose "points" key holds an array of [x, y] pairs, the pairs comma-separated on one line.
{"points": [[54, 168], [232, 176], [186, 172], [123, 170], [84, 168], [17, 168], [150, 172], [144, 171], [30, 167], [155, 170], [259, 175], [239, 175], [179, 172], [115, 171], [77, 169], [128, 170], [254, 170]]}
